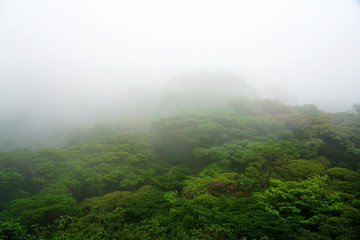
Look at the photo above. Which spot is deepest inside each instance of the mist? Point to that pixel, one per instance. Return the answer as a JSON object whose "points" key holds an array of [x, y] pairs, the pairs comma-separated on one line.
{"points": [[74, 63]]}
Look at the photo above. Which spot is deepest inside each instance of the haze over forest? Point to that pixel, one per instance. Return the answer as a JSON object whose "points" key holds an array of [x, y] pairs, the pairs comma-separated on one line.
{"points": [[180, 119], [75, 63]]}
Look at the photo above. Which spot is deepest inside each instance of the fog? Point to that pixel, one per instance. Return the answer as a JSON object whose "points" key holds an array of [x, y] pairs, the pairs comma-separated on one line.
{"points": [[67, 63]]}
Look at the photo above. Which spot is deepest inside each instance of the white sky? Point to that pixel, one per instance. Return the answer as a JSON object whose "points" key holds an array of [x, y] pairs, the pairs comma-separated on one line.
{"points": [[69, 54]]}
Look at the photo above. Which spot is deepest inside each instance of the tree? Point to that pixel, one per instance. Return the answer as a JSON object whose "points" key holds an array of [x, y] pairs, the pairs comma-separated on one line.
{"points": [[301, 169], [263, 160], [301, 203], [44, 207], [10, 230], [339, 141], [356, 108]]}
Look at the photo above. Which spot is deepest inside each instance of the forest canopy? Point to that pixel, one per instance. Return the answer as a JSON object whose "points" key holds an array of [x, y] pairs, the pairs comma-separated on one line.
{"points": [[249, 169]]}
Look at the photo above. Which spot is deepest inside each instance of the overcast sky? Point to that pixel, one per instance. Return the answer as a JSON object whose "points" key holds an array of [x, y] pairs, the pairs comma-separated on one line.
{"points": [[70, 55]]}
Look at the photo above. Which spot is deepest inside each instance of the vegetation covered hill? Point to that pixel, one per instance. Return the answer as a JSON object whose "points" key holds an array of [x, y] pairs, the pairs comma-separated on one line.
{"points": [[253, 169]]}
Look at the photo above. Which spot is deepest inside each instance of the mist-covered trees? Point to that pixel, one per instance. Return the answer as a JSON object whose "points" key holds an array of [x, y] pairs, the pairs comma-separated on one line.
{"points": [[178, 135], [261, 170]]}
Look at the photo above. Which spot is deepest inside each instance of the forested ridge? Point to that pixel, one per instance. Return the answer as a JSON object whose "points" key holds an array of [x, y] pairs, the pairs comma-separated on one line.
{"points": [[250, 169]]}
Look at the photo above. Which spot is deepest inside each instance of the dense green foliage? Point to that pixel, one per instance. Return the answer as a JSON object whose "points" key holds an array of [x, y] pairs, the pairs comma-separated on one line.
{"points": [[255, 169]]}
